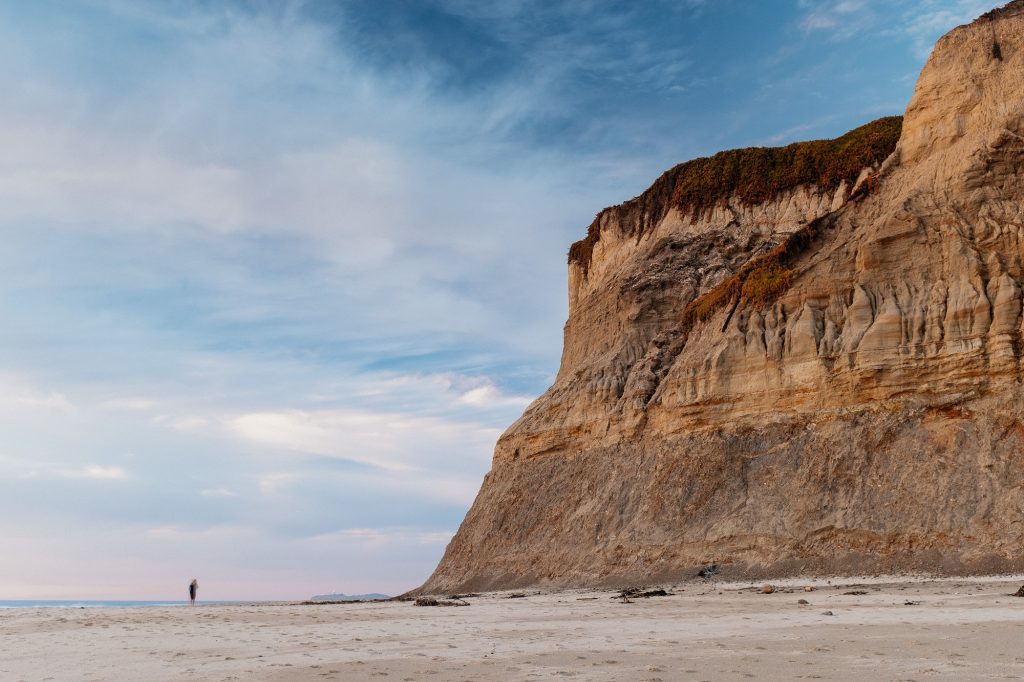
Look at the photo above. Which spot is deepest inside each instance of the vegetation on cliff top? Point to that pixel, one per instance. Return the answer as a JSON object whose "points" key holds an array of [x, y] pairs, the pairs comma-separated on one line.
{"points": [[1010, 9], [753, 175], [757, 174]]}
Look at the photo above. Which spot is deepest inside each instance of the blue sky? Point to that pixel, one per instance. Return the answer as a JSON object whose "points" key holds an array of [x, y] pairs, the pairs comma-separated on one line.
{"points": [[277, 274]]}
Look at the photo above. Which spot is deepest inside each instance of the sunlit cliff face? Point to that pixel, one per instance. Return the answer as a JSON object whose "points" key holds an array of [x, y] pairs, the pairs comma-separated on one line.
{"points": [[826, 381]]}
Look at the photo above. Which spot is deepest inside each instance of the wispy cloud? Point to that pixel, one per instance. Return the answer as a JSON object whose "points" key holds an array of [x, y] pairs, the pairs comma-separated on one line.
{"points": [[842, 20], [393, 442], [95, 471], [274, 484], [926, 20], [381, 537], [129, 404], [181, 423], [922, 21], [218, 492], [490, 396], [51, 401], [272, 271]]}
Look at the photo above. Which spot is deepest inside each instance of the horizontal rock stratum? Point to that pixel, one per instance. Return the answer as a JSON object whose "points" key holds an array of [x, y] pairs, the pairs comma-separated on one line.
{"points": [[793, 360]]}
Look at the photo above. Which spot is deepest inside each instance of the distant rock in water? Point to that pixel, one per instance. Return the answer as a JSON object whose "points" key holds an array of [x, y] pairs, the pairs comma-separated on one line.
{"points": [[796, 360], [348, 597]]}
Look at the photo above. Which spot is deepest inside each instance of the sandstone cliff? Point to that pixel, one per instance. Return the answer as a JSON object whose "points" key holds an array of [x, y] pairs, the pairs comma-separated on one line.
{"points": [[785, 370]]}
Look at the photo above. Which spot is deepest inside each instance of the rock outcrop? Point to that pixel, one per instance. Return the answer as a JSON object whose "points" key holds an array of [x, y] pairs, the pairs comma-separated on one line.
{"points": [[785, 361]]}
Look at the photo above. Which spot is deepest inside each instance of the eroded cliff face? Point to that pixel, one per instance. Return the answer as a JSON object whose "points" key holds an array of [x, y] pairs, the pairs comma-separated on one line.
{"points": [[828, 379]]}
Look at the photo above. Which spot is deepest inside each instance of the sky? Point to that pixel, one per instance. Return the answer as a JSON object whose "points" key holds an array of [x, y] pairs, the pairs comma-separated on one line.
{"points": [[277, 274]]}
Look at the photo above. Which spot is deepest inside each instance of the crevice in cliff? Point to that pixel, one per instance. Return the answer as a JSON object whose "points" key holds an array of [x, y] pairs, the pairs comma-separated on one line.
{"points": [[756, 285]]}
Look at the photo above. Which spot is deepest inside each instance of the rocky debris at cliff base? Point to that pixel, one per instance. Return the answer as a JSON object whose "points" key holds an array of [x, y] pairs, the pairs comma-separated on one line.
{"points": [[640, 593], [708, 571], [430, 601]]}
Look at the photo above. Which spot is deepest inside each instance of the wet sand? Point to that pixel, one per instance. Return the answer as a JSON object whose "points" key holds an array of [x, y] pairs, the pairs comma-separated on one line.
{"points": [[896, 630]]}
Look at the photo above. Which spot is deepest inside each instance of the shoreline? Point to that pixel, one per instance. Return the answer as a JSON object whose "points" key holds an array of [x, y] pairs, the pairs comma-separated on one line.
{"points": [[919, 627]]}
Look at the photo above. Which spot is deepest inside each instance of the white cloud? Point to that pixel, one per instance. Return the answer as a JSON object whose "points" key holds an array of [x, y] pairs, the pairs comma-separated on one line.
{"points": [[389, 441], [454, 488], [181, 423], [129, 404], [21, 393], [30, 468], [22, 467], [95, 471], [163, 531], [436, 538], [448, 390], [849, 6], [927, 20], [923, 21], [818, 20], [274, 484], [841, 20], [380, 537], [489, 396], [139, 561], [51, 401], [218, 492]]}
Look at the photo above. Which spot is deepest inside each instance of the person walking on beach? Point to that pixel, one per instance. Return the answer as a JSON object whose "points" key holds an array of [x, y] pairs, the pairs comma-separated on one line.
{"points": [[193, 589]]}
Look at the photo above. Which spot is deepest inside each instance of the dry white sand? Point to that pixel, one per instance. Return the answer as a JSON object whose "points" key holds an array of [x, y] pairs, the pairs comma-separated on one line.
{"points": [[898, 630]]}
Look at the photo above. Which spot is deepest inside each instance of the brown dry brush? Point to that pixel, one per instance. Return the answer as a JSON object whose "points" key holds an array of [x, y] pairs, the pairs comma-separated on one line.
{"points": [[759, 282], [758, 174], [763, 279]]}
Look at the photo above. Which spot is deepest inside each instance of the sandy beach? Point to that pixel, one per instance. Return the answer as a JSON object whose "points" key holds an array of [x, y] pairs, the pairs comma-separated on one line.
{"points": [[885, 629]]}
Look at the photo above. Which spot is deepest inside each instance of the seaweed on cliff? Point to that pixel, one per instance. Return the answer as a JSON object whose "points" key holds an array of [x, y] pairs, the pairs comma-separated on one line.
{"points": [[752, 175]]}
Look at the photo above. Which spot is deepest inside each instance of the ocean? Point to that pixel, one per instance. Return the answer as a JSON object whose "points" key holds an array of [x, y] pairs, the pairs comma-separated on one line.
{"points": [[88, 604]]}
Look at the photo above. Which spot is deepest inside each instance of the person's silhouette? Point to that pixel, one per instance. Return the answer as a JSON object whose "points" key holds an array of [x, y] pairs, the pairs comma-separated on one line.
{"points": [[193, 589]]}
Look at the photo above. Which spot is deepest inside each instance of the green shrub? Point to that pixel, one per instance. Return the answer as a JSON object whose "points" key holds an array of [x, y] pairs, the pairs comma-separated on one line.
{"points": [[759, 282], [759, 174]]}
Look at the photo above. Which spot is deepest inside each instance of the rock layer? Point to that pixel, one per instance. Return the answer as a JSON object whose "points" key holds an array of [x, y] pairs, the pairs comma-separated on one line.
{"points": [[849, 401]]}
